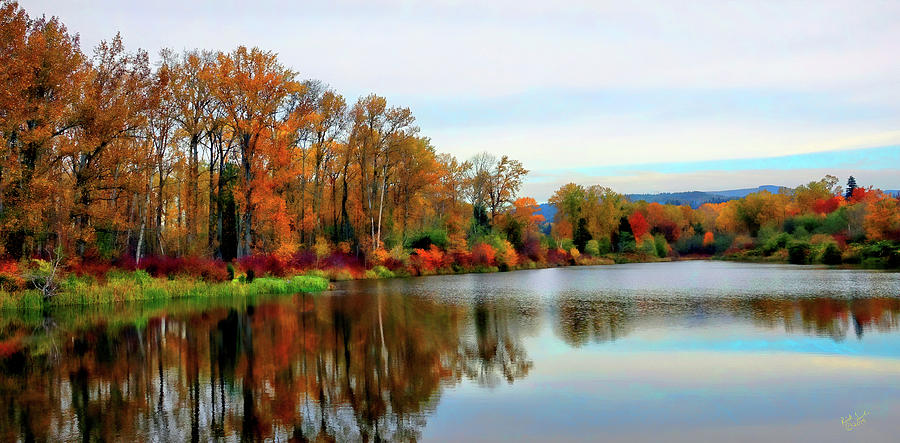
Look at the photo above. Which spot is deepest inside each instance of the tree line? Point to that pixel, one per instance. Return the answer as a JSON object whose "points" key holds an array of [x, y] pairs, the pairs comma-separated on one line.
{"points": [[218, 154], [229, 155]]}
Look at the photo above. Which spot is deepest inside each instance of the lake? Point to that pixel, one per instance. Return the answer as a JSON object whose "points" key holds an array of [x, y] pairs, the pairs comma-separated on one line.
{"points": [[682, 351]]}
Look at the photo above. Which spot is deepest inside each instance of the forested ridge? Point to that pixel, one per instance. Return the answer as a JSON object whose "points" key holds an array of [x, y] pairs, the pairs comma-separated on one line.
{"points": [[201, 158]]}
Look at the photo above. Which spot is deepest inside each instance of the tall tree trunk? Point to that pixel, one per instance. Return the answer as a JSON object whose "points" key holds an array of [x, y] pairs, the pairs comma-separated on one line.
{"points": [[345, 217], [211, 214], [247, 218], [220, 210], [143, 215], [159, 210], [193, 188], [381, 205]]}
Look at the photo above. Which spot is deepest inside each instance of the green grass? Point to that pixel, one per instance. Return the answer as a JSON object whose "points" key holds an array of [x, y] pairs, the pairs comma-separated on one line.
{"points": [[138, 286]]}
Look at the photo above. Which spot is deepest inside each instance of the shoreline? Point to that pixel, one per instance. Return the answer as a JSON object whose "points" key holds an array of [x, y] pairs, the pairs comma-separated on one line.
{"points": [[140, 287]]}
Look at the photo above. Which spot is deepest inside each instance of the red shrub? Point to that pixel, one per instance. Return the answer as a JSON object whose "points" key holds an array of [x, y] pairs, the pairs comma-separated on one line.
{"points": [[10, 277], [484, 254], [263, 264], [841, 240], [94, 268], [207, 269], [300, 260], [127, 263], [160, 265], [531, 248], [165, 266], [430, 260], [462, 259], [558, 257], [9, 267], [339, 259]]}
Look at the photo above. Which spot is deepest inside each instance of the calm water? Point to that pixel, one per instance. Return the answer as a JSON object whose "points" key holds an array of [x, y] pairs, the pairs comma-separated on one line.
{"points": [[688, 351]]}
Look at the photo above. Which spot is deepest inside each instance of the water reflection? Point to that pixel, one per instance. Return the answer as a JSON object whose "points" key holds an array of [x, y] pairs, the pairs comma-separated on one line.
{"points": [[367, 364]]}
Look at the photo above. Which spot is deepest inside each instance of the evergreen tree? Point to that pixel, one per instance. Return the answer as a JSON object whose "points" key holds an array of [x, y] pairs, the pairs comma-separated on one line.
{"points": [[851, 185], [581, 235]]}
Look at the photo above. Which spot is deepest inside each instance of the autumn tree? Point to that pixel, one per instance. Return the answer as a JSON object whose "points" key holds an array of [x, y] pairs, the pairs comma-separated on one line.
{"points": [[504, 183], [250, 86], [41, 74], [192, 99], [110, 114]]}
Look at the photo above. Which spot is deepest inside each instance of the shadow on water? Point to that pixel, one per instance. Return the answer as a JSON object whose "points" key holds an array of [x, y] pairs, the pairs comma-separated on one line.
{"points": [[364, 364]]}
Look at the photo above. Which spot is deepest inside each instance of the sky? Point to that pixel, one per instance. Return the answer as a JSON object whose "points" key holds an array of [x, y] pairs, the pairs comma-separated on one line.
{"points": [[639, 96]]}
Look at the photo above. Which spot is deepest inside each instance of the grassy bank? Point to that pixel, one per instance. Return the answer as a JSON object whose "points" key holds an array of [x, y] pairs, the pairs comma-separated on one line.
{"points": [[140, 286]]}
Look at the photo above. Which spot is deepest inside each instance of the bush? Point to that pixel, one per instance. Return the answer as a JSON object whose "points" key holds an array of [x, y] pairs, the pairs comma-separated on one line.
{"points": [[881, 254], [690, 244], [427, 237], [340, 274], [831, 255], [428, 261], [766, 233], [722, 243], [483, 255], [399, 257], [798, 252], [626, 242], [506, 257], [836, 222], [263, 264], [382, 272], [592, 247], [648, 246], [807, 223], [11, 283], [776, 242], [316, 273], [10, 278], [605, 245], [662, 247]]}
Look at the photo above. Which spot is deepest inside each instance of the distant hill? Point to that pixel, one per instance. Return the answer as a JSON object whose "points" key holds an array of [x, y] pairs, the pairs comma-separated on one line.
{"points": [[738, 193], [695, 199], [548, 210]]}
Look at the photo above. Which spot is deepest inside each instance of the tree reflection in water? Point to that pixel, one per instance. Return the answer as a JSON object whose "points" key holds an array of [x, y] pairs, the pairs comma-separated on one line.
{"points": [[346, 367], [358, 366]]}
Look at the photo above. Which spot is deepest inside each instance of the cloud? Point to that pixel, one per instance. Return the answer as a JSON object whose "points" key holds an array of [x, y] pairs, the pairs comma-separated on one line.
{"points": [[452, 48], [572, 84]]}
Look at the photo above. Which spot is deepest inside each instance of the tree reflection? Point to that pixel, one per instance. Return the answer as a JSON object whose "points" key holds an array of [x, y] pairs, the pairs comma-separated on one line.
{"points": [[354, 367], [825, 316], [496, 351], [360, 366], [582, 320]]}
